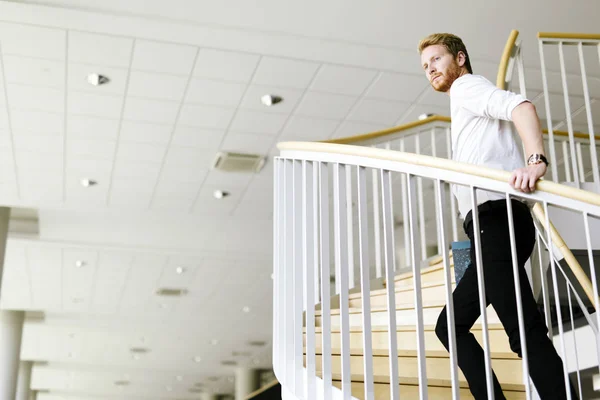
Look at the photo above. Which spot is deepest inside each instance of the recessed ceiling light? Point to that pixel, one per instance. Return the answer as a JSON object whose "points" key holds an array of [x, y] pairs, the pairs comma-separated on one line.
{"points": [[88, 182], [219, 194], [229, 363], [169, 389], [197, 359], [180, 270], [179, 378], [257, 343], [246, 309], [136, 357], [163, 305], [122, 383], [425, 116], [214, 342], [270, 99], [173, 292], [97, 79], [79, 263]]}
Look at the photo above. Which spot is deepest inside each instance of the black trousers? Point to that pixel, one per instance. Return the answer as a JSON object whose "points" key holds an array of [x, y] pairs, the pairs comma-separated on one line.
{"points": [[545, 366]]}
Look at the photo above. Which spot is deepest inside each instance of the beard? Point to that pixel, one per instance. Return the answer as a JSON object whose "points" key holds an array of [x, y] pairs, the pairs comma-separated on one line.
{"points": [[445, 81]]}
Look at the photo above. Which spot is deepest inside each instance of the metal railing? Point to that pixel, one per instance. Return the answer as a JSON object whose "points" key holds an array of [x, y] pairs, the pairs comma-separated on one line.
{"points": [[315, 244]]}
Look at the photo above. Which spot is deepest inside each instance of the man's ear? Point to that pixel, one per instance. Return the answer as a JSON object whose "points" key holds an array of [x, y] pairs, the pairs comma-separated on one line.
{"points": [[461, 59]]}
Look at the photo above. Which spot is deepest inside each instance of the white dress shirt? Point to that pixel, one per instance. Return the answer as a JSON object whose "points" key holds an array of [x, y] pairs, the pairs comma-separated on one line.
{"points": [[482, 133]]}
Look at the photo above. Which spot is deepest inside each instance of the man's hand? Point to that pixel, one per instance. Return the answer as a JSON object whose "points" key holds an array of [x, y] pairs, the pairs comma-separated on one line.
{"points": [[524, 179]]}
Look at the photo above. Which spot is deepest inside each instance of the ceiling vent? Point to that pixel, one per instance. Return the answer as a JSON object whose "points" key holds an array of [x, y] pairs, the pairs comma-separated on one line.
{"points": [[171, 292], [238, 162]]}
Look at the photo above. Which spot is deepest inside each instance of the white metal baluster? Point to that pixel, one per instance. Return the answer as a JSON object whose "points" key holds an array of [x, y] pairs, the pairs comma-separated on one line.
{"points": [[553, 166], [421, 206], [566, 161], [482, 298], [557, 300], [390, 261], [435, 190], [298, 281], [574, 338], [308, 212], [453, 206], [521, 71], [350, 225], [407, 254], [544, 283], [277, 222], [416, 268], [519, 300], [441, 205], [288, 273], [565, 86], [588, 111], [341, 262], [588, 240], [377, 224], [580, 161], [325, 279], [365, 279]]}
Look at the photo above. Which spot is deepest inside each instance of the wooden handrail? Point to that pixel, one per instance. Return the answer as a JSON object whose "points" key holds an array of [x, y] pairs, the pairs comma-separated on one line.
{"points": [[571, 36], [262, 389], [504, 61]]}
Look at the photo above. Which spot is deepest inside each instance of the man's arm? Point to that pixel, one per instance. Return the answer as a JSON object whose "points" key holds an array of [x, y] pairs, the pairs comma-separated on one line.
{"points": [[528, 126]]}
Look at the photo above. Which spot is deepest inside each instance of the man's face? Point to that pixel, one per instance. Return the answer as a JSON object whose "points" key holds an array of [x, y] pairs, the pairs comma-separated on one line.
{"points": [[441, 69]]}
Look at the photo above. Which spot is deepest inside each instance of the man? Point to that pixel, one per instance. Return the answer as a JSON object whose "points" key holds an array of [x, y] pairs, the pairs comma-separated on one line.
{"points": [[483, 135]]}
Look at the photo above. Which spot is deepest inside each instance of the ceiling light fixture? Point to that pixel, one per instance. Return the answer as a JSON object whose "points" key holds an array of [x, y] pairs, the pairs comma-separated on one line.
{"points": [[180, 270], [270, 99], [79, 263], [220, 194], [214, 342], [88, 182], [425, 116], [179, 378], [197, 359], [169, 389], [246, 309], [97, 79], [122, 383]]}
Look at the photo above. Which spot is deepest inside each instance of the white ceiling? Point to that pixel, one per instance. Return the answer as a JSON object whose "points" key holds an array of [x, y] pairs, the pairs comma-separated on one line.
{"points": [[186, 79]]}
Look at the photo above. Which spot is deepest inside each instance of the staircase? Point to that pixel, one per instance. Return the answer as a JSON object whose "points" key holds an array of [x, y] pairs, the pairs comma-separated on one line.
{"points": [[335, 240]]}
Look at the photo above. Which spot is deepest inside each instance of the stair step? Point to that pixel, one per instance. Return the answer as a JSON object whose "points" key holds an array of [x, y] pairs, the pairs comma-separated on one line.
{"points": [[433, 273], [382, 392], [407, 341], [509, 372], [430, 292], [405, 315]]}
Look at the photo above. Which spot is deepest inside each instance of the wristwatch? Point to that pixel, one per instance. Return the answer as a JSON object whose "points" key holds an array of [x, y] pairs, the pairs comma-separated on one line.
{"points": [[537, 159]]}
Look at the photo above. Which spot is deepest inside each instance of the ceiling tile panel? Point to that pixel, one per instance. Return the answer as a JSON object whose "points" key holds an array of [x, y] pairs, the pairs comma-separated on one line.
{"points": [[343, 80], [126, 169], [225, 65], [33, 41], [96, 49], [285, 72], [198, 137], [92, 148], [351, 128], [92, 127], [324, 105], [141, 132], [142, 281], [157, 86], [94, 105], [398, 87], [155, 111], [205, 116], [199, 159], [142, 152], [307, 128], [229, 179], [23, 97], [163, 57], [34, 71], [379, 112], [247, 143], [38, 143], [45, 268], [135, 194], [113, 270], [225, 94], [258, 122], [183, 173]]}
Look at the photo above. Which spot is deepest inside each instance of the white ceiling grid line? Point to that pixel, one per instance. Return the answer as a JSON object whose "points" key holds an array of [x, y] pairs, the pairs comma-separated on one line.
{"points": [[66, 113]]}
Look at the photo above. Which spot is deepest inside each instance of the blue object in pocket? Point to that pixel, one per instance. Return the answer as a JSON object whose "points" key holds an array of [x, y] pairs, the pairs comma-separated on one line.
{"points": [[462, 258]]}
